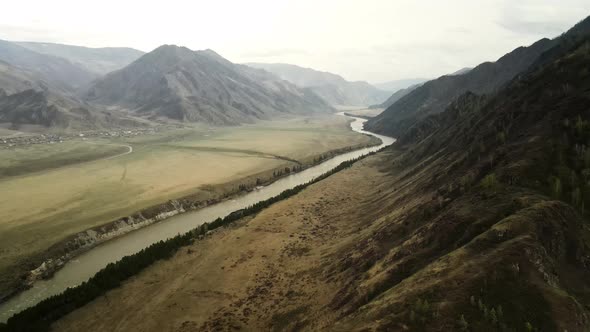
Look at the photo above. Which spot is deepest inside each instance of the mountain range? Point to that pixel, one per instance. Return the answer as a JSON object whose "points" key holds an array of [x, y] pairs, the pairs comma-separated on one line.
{"points": [[98, 61], [331, 87], [181, 84], [48, 86], [434, 96]]}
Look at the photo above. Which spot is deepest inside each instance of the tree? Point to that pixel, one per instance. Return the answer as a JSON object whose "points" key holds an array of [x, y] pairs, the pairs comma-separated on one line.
{"points": [[556, 186], [493, 316], [500, 312], [463, 323], [501, 137], [576, 197], [489, 182]]}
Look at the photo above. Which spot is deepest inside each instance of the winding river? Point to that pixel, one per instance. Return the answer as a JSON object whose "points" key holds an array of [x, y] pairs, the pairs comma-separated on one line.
{"points": [[86, 265]]}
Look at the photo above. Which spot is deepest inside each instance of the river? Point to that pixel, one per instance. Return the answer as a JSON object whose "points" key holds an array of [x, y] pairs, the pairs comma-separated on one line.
{"points": [[87, 264]]}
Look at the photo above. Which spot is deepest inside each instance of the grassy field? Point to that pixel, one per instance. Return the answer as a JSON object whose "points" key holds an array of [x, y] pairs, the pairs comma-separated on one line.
{"points": [[52, 191]]}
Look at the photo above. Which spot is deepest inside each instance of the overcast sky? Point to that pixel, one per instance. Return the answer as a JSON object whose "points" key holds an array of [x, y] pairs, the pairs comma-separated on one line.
{"points": [[373, 40]]}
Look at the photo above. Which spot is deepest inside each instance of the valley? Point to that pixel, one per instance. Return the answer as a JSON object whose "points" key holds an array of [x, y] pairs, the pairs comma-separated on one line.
{"points": [[453, 228], [52, 191], [169, 188]]}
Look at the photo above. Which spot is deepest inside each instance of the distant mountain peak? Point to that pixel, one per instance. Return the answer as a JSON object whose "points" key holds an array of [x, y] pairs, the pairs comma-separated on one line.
{"points": [[177, 83], [331, 87]]}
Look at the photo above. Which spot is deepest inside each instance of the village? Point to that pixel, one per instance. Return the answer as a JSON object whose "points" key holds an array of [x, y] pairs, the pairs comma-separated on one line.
{"points": [[47, 138]]}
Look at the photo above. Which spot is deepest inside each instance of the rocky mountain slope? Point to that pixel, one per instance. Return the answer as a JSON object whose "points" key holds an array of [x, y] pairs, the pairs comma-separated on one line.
{"points": [[13, 80], [54, 70], [488, 230], [396, 96], [35, 110], [177, 83], [331, 87], [30, 103], [397, 85], [434, 96], [99, 61]]}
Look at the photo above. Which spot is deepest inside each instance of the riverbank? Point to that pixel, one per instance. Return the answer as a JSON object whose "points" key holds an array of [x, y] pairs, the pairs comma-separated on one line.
{"points": [[40, 316], [59, 254]]}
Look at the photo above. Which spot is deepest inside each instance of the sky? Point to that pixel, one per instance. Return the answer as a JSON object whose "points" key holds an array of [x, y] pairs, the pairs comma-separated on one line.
{"points": [[371, 40]]}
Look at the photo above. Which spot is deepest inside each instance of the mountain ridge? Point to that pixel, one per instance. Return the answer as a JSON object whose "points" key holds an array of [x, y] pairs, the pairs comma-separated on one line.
{"points": [[99, 61], [184, 85], [433, 96], [332, 87]]}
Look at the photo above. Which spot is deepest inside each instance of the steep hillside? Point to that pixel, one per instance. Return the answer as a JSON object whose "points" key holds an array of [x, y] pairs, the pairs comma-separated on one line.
{"points": [[396, 96], [99, 61], [397, 85], [54, 70], [44, 110], [13, 80], [29, 103], [434, 96], [333, 88], [176, 83], [488, 229], [461, 71]]}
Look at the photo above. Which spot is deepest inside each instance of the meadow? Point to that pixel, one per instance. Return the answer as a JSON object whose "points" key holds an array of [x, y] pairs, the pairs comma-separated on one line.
{"points": [[52, 191]]}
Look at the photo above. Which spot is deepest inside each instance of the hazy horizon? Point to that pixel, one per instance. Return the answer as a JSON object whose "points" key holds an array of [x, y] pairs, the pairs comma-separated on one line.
{"points": [[394, 39]]}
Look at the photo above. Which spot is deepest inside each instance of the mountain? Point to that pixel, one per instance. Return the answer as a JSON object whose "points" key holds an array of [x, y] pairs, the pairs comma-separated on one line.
{"points": [[434, 96], [333, 88], [29, 103], [461, 71], [404, 91], [44, 110], [397, 85], [99, 61], [13, 80], [489, 212], [54, 70], [396, 96], [176, 83]]}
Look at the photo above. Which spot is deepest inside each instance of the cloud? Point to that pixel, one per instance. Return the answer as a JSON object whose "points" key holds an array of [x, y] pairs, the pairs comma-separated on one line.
{"points": [[524, 26], [547, 18]]}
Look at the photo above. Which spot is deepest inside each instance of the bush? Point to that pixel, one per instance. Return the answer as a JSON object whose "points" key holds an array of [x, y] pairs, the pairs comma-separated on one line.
{"points": [[489, 182]]}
